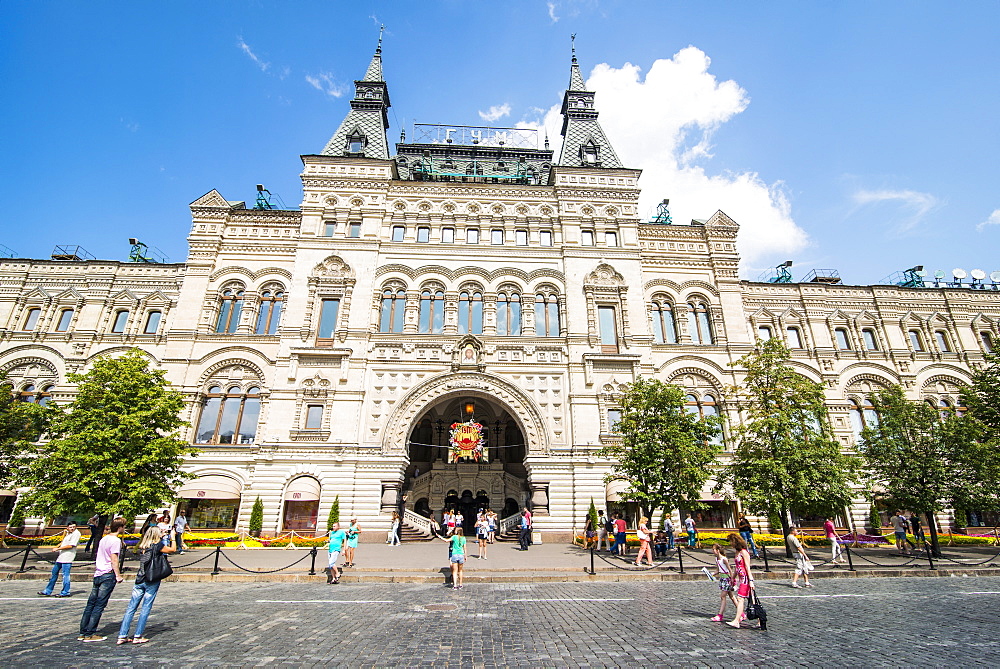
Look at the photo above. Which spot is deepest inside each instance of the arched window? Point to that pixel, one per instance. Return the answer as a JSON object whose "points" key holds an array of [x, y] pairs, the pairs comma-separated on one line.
{"points": [[152, 322], [869, 339], [546, 315], [916, 341], [65, 316], [664, 326], [230, 417], [229, 310], [987, 339], [793, 337], [470, 313], [703, 407], [121, 319], [942, 341], [509, 314], [431, 311], [393, 304], [764, 332], [31, 320], [269, 315], [31, 394], [699, 324], [862, 413]]}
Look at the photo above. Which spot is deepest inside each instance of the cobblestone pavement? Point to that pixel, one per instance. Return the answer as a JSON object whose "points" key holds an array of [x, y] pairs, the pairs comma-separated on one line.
{"points": [[841, 622]]}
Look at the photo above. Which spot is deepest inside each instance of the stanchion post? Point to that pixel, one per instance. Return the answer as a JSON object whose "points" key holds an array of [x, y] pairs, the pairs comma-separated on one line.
{"points": [[218, 551], [24, 560], [312, 563], [850, 562], [121, 558], [592, 572], [680, 558], [930, 557], [763, 552]]}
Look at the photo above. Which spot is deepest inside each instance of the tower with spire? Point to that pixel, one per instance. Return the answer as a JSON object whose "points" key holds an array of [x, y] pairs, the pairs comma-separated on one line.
{"points": [[363, 131], [584, 142]]}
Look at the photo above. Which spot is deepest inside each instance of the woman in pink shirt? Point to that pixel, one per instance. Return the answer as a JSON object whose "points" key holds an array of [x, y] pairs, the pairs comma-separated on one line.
{"points": [[835, 549]]}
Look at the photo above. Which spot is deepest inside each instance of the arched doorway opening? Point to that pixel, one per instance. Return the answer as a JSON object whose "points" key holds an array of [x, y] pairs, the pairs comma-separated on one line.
{"points": [[441, 479]]}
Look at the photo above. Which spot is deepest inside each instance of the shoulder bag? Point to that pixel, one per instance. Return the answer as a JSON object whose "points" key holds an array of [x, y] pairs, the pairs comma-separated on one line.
{"points": [[755, 610], [157, 567]]}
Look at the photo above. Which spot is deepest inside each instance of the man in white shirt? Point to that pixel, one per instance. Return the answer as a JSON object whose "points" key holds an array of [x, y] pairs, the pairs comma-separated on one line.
{"points": [[67, 553], [180, 526]]}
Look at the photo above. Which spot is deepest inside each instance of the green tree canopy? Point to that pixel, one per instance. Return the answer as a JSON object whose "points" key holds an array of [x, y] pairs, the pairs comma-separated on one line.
{"points": [[114, 450], [982, 397], [21, 424], [666, 453], [924, 460], [786, 457]]}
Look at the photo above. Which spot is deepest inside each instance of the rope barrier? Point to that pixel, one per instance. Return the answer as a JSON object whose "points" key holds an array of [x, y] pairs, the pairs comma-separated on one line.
{"points": [[879, 564], [633, 567], [203, 557], [967, 564], [268, 571]]}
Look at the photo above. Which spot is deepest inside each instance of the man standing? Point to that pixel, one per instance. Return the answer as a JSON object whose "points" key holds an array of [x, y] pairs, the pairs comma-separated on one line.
{"points": [[692, 531], [602, 531], [67, 553], [525, 534], [337, 537], [106, 577], [746, 531], [668, 526], [92, 524], [180, 526], [918, 530], [899, 527], [527, 512]]}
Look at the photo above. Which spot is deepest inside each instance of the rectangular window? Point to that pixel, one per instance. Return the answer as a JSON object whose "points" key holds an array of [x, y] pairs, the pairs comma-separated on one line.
{"points": [[915, 341], [794, 338], [497, 238], [868, 335], [447, 235], [521, 237], [587, 238], [609, 329], [314, 417], [328, 318], [942, 341], [842, 342], [31, 320], [614, 415], [545, 238], [987, 340], [329, 227], [472, 236], [152, 322], [355, 146], [121, 318], [354, 230], [611, 238], [398, 232], [423, 235], [64, 318]]}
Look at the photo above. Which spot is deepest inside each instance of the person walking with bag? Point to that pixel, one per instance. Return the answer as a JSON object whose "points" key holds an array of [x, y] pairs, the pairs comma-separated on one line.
{"points": [[106, 576], [642, 533], [605, 529], [353, 533], [337, 539], [392, 538], [153, 568], [744, 578], [63, 563], [802, 564], [835, 549]]}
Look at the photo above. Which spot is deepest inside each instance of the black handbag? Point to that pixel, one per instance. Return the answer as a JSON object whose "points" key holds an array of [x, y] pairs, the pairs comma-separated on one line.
{"points": [[156, 567], [755, 610]]}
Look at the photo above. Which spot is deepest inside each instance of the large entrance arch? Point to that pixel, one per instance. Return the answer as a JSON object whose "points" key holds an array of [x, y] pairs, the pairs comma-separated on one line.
{"points": [[432, 480]]}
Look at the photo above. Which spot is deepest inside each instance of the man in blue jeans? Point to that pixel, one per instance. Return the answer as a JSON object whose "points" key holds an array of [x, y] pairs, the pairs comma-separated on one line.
{"points": [[63, 563], [106, 577], [525, 534]]}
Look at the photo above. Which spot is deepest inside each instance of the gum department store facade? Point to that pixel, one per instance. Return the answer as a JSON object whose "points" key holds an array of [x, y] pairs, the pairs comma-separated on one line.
{"points": [[326, 351]]}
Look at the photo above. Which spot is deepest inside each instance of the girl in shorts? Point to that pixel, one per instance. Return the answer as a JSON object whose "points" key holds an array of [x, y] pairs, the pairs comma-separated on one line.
{"points": [[725, 576], [482, 534], [457, 550]]}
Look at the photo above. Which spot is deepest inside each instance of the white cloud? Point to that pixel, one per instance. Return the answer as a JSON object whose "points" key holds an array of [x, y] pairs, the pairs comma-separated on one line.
{"points": [[914, 206], [245, 48], [495, 112], [552, 11], [994, 219], [325, 82], [663, 124]]}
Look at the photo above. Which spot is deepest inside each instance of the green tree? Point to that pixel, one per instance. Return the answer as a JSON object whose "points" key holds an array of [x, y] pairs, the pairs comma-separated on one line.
{"points": [[256, 518], [666, 453], [923, 459], [982, 400], [592, 514], [334, 516], [786, 457], [114, 450], [21, 423], [982, 397]]}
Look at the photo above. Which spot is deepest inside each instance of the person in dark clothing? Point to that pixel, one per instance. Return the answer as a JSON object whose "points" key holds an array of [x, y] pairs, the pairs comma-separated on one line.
{"points": [[525, 535]]}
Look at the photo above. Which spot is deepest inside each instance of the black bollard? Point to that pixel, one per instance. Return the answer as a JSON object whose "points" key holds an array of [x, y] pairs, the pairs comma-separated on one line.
{"points": [[850, 562], [121, 558], [592, 572], [24, 560], [312, 562], [680, 559], [218, 551], [930, 557], [763, 552]]}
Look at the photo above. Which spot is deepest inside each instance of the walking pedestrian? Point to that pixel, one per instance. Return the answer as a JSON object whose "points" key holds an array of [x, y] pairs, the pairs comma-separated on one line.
{"points": [[435, 526], [527, 512], [151, 521], [64, 562], [744, 577], [482, 534], [525, 533], [642, 533], [456, 555], [93, 522], [605, 529], [353, 532], [692, 531], [337, 538], [746, 531], [835, 549], [144, 591], [449, 521], [725, 576], [668, 526], [460, 521], [393, 536], [660, 543], [106, 576], [802, 564], [620, 527], [899, 527], [165, 525], [180, 527]]}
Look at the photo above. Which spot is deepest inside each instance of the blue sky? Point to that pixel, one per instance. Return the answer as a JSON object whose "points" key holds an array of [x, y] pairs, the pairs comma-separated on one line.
{"points": [[856, 136]]}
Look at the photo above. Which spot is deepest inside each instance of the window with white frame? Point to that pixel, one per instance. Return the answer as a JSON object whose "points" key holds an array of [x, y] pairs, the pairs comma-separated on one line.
{"points": [[699, 324], [508, 314], [546, 314], [392, 309], [664, 325], [470, 312]]}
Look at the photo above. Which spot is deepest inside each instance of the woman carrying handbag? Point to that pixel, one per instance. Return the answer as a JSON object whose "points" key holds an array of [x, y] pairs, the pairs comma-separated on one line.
{"points": [[153, 568]]}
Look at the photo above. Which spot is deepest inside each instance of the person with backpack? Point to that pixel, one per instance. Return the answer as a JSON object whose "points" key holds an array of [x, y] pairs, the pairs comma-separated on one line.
{"points": [[607, 524], [147, 584]]}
